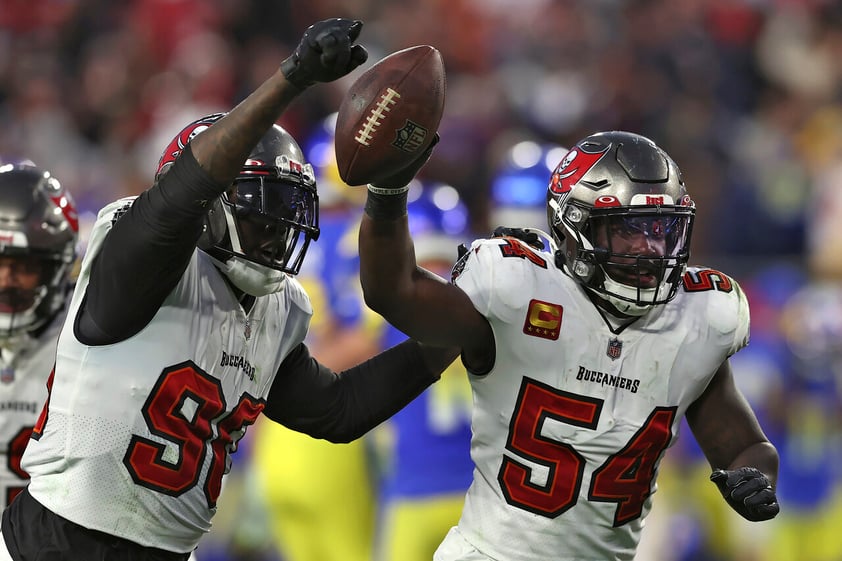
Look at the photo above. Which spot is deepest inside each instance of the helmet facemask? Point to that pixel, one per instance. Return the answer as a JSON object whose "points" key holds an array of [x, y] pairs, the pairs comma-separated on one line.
{"points": [[270, 219], [632, 258], [38, 294], [262, 226]]}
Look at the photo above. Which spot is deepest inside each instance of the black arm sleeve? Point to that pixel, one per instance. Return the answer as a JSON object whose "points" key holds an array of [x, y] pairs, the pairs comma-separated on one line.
{"points": [[308, 397], [145, 253]]}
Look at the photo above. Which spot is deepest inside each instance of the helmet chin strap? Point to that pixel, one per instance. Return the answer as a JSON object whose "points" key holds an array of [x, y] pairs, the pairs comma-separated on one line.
{"points": [[614, 305], [584, 270]]}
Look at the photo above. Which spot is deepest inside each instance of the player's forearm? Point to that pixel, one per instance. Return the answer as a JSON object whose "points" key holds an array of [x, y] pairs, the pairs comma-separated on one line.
{"points": [[387, 264], [222, 148], [410, 297], [762, 456], [384, 384], [340, 407]]}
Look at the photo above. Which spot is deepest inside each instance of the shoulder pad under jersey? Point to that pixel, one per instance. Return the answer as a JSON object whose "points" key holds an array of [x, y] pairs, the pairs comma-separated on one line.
{"points": [[105, 219], [297, 294], [725, 303], [504, 267]]}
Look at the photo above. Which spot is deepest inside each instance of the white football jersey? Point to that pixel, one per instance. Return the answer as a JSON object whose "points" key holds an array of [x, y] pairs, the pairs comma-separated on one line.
{"points": [[570, 425], [137, 435], [25, 365]]}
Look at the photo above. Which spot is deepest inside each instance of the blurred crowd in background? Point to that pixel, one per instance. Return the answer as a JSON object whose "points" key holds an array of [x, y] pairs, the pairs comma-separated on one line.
{"points": [[745, 95]]}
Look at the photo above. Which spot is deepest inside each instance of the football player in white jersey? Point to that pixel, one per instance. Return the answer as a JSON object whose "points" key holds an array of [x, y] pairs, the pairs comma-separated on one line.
{"points": [[582, 359], [185, 324], [39, 230]]}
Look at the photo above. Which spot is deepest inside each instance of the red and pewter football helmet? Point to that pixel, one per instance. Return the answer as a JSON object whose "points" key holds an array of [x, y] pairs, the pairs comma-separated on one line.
{"points": [[270, 213], [613, 186], [39, 228]]}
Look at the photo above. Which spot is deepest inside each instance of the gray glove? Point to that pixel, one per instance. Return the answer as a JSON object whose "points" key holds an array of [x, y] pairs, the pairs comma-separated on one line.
{"points": [[326, 52], [748, 491]]}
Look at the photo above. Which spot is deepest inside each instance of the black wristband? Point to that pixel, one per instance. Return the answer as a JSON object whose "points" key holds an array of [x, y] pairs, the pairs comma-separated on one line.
{"points": [[386, 207]]}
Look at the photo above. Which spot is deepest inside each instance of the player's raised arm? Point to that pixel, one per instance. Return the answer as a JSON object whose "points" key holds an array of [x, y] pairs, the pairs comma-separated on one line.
{"points": [[385, 132], [325, 53], [156, 236], [416, 301]]}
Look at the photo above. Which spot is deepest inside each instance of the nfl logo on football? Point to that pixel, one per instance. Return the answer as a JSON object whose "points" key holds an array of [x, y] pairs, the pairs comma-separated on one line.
{"points": [[410, 137]]}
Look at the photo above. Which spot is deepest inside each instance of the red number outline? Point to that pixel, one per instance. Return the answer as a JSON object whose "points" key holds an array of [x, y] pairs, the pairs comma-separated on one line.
{"points": [[163, 412], [513, 248], [14, 453], [536, 403], [624, 478], [707, 279], [38, 429]]}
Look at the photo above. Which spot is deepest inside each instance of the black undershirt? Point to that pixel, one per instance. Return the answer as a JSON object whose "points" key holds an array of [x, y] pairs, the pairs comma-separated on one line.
{"points": [[142, 259], [145, 253]]}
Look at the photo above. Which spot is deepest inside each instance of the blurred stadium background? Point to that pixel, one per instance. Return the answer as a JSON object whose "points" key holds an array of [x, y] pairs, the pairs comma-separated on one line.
{"points": [[746, 95]]}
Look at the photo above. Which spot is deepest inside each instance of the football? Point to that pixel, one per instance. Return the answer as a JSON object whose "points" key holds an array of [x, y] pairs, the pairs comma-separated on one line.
{"points": [[390, 115]]}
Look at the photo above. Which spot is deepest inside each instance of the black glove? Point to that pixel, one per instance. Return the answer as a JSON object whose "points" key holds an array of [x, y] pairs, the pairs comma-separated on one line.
{"points": [[405, 175], [748, 492], [531, 238], [325, 53]]}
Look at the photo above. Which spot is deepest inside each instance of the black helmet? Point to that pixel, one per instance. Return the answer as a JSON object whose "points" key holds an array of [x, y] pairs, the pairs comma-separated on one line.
{"points": [[39, 228], [270, 213], [615, 186]]}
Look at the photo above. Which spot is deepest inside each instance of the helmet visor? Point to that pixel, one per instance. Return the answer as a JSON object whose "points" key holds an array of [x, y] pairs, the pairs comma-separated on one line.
{"points": [[642, 249], [660, 235], [274, 218]]}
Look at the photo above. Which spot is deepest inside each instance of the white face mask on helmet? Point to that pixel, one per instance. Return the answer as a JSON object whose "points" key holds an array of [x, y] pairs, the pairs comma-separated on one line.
{"points": [[251, 278]]}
